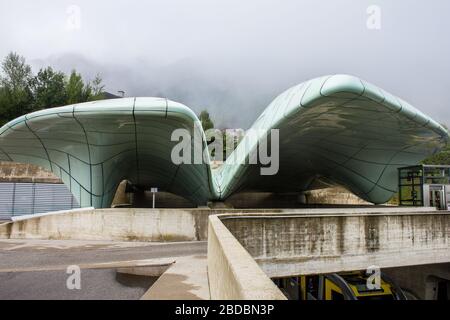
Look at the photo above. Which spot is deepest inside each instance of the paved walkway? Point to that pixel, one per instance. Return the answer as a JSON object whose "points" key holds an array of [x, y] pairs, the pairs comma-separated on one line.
{"points": [[186, 279], [39, 254]]}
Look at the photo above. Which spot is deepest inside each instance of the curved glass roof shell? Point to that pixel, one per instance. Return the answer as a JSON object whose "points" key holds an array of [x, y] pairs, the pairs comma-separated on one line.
{"points": [[338, 128]]}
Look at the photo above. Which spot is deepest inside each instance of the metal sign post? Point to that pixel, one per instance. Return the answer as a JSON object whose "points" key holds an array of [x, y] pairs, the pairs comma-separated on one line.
{"points": [[154, 191]]}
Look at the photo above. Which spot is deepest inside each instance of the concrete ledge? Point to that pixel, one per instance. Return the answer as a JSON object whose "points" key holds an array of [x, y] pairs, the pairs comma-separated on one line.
{"points": [[124, 224], [148, 271], [232, 272], [38, 215], [156, 264], [186, 279], [117, 224], [133, 224], [299, 244]]}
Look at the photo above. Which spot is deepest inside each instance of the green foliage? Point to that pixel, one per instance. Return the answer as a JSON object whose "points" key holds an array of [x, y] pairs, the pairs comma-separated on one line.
{"points": [[206, 120], [77, 91], [16, 96], [49, 89], [5, 107], [22, 92], [97, 89], [442, 157], [16, 73]]}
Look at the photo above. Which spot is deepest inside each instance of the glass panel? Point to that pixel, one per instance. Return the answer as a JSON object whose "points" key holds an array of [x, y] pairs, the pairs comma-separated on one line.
{"points": [[436, 175], [410, 188]]}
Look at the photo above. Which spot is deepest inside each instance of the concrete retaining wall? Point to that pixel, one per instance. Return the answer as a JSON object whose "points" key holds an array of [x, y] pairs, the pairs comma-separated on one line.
{"points": [[124, 224], [334, 195], [421, 280], [292, 244], [232, 272], [326, 196], [121, 224], [24, 172]]}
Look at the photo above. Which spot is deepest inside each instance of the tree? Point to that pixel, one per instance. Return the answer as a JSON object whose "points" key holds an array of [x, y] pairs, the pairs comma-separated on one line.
{"points": [[16, 94], [21, 92], [5, 110], [16, 73], [97, 86], [442, 157], [49, 89], [86, 93], [75, 88], [78, 91], [206, 120]]}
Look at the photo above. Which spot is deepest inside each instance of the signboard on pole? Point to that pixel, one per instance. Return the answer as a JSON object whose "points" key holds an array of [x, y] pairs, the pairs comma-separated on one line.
{"points": [[153, 191]]}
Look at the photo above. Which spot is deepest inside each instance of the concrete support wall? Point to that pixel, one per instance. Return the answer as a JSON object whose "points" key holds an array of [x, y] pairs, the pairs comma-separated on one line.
{"points": [[124, 224], [326, 196], [421, 280], [162, 200], [334, 195], [24, 172], [295, 244], [121, 196], [232, 272]]}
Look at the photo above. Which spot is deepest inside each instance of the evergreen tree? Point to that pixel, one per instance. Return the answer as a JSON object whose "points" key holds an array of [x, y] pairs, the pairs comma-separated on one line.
{"points": [[75, 89]]}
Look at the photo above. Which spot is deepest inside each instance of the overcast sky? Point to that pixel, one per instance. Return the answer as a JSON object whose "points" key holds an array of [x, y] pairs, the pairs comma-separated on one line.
{"points": [[233, 57]]}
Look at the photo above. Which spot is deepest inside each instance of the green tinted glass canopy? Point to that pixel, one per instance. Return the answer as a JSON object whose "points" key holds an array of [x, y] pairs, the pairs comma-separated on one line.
{"points": [[338, 129]]}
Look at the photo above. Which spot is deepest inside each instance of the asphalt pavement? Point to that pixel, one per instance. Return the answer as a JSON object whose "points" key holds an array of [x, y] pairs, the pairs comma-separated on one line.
{"points": [[19, 255]]}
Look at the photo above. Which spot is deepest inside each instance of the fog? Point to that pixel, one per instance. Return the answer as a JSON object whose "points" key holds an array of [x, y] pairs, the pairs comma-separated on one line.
{"points": [[233, 57]]}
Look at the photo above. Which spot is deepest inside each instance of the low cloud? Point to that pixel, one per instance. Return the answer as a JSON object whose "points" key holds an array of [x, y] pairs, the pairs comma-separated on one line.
{"points": [[232, 57]]}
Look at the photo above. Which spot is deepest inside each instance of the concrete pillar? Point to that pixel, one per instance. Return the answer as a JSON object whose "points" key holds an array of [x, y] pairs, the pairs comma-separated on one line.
{"points": [[121, 197], [301, 198]]}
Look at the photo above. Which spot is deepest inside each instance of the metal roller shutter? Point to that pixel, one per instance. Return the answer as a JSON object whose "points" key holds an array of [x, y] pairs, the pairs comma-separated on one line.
{"points": [[23, 199], [28, 198], [52, 197], [6, 200]]}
